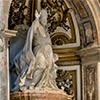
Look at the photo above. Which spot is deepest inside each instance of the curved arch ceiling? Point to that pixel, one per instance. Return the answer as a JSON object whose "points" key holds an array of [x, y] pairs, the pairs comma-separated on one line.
{"points": [[87, 28], [61, 20]]}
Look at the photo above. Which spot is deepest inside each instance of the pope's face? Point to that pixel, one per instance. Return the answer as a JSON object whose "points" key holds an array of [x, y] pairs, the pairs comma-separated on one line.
{"points": [[43, 20]]}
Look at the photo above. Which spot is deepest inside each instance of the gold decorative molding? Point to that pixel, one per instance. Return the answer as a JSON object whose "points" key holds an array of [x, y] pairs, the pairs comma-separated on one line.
{"points": [[66, 50], [67, 56], [68, 63], [62, 25]]}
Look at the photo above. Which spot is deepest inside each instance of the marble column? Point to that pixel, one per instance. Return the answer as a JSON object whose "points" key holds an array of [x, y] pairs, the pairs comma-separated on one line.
{"points": [[90, 60], [4, 63], [3, 69]]}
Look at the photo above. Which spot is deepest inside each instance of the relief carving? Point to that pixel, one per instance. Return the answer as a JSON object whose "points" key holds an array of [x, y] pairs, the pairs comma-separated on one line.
{"points": [[90, 83]]}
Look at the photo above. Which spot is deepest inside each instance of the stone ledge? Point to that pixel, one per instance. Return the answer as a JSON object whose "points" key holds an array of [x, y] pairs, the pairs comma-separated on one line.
{"points": [[89, 51], [39, 96], [89, 55]]}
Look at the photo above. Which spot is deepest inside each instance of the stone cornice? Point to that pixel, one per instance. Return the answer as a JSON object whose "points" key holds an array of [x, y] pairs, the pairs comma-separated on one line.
{"points": [[89, 55], [68, 63]]}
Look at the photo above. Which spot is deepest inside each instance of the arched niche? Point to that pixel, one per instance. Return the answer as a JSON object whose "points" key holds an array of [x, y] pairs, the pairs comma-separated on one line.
{"points": [[86, 12], [64, 35], [86, 28], [62, 26]]}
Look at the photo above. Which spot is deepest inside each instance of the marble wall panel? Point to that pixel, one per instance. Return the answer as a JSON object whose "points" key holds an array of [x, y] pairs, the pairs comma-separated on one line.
{"points": [[90, 82]]}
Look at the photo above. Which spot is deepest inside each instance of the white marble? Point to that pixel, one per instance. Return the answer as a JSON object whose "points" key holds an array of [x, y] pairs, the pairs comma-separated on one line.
{"points": [[35, 63]]}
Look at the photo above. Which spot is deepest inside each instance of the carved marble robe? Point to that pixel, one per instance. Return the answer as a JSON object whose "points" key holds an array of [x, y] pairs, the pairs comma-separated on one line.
{"points": [[35, 64], [45, 73]]}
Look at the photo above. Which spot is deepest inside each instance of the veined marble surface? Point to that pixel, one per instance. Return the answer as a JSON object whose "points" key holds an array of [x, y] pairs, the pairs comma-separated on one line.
{"points": [[3, 68]]}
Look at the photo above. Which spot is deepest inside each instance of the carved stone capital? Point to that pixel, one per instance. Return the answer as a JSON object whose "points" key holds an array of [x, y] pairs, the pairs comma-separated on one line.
{"points": [[90, 55]]}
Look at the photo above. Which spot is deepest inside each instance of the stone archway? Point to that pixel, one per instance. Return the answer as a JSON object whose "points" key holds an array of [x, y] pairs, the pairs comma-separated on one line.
{"points": [[95, 9]]}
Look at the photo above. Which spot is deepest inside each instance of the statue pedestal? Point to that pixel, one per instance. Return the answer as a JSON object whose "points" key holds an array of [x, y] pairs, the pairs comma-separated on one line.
{"points": [[39, 96]]}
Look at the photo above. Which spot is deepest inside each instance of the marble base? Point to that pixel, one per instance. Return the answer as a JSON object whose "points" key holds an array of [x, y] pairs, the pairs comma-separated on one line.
{"points": [[39, 96]]}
